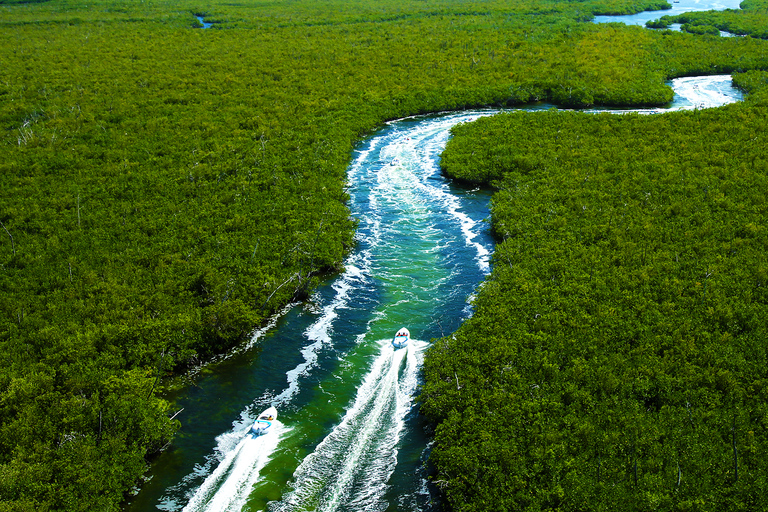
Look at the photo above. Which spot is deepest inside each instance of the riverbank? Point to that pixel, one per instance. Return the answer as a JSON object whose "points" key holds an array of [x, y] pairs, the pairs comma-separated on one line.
{"points": [[615, 355]]}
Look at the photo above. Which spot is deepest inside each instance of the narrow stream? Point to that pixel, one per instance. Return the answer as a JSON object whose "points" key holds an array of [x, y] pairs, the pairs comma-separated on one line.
{"points": [[349, 436]]}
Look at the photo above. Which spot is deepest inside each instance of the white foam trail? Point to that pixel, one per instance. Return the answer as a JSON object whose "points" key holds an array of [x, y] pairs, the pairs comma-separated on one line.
{"points": [[227, 488], [693, 92], [350, 468], [357, 272], [467, 228], [705, 92], [226, 443], [320, 332], [413, 180]]}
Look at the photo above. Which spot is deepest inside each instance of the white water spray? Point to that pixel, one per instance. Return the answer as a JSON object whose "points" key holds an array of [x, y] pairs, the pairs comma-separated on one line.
{"points": [[227, 488], [350, 468]]}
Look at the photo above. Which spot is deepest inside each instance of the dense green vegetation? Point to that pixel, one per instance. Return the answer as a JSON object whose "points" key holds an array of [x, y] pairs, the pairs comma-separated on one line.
{"points": [[616, 359], [164, 189]]}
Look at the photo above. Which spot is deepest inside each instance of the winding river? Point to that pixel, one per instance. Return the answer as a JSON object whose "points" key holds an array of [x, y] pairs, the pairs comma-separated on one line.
{"points": [[349, 436]]}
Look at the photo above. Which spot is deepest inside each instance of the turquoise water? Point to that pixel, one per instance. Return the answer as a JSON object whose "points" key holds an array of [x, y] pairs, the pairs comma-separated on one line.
{"points": [[348, 435], [203, 22]]}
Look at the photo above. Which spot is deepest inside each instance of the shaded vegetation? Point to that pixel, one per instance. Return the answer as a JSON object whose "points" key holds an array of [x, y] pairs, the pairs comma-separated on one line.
{"points": [[164, 189]]}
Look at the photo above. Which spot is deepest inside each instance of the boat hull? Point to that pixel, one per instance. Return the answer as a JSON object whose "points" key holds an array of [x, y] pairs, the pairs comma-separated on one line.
{"points": [[263, 423], [402, 338]]}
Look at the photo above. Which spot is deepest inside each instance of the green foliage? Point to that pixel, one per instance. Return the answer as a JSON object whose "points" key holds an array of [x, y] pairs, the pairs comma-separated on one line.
{"points": [[755, 83], [616, 357], [164, 189], [701, 29]]}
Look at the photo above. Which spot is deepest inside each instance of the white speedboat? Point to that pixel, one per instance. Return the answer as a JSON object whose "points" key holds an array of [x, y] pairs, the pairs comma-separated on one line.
{"points": [[401, 338], [264, 421]]}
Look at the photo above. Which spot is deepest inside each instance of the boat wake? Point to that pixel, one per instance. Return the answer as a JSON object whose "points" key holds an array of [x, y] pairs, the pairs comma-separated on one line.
{"points": [[350, 468], [691, 93], [227, 488], [704, 92]]}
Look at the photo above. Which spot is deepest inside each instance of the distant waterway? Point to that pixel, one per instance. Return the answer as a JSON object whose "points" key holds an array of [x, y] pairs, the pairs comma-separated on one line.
{"points": [[349, 436], [680, 7], [203, 23]]}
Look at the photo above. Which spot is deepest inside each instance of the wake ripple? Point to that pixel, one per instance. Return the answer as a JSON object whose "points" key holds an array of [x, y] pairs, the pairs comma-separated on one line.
{"points": [[227, 488], [350, 468]]}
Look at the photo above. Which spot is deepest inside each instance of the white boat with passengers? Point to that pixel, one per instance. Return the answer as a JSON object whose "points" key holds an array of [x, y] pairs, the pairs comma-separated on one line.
{"points": [[402, 338], [264, 421]]}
